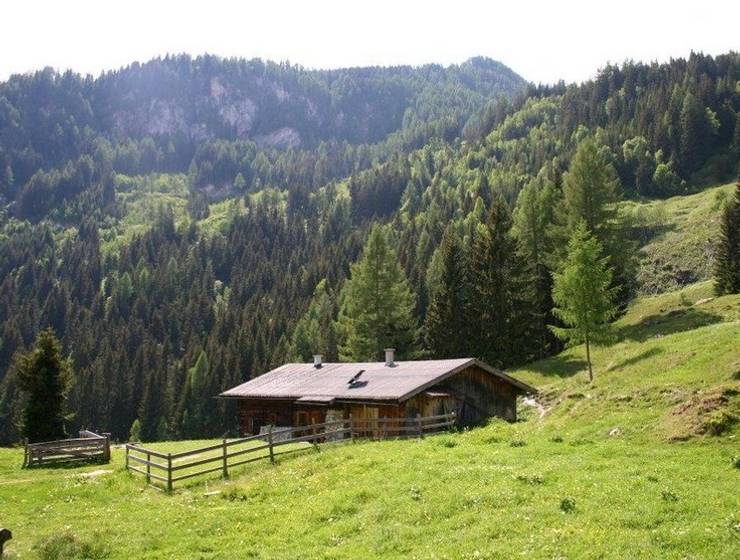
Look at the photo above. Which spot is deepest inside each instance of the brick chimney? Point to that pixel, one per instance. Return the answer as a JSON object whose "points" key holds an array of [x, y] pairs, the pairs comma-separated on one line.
{"points": [[317, 361]]}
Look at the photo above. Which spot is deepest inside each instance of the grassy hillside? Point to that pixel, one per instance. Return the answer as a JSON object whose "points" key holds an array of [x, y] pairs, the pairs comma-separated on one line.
{"points": [[641, 464], [676, 238]]}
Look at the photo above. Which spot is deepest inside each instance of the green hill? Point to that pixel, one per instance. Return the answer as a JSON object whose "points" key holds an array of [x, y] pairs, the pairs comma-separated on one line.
{"points": [[641, 464], [676, 237]]}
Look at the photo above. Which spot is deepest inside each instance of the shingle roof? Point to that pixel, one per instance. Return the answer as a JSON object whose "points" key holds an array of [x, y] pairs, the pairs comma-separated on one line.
{"points": [[377, 382]]}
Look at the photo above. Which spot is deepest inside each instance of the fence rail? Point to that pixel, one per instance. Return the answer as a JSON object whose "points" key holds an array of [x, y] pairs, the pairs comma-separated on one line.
{"points": [[88, 447], [169, 468]]}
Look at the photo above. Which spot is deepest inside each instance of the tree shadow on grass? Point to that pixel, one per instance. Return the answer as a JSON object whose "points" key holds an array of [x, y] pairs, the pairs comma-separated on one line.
{"points": [[674, 321], [635, 359], [559, 366]]}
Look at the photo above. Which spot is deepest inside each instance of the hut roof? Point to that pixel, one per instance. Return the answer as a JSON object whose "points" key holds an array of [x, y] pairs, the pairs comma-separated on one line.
{"points": [[376, 380]]}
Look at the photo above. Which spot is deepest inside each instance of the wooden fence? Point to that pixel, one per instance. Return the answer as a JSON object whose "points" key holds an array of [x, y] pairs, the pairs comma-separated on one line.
{"points": [[169, 468], [88, 447]]}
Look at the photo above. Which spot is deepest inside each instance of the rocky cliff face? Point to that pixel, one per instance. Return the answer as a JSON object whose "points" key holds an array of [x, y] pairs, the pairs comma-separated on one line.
{"points": [[284, 106]]}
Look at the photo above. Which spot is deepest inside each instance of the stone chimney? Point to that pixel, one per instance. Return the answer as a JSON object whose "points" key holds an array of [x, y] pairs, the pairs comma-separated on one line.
{"points": [[389, 357], [317, 361]]}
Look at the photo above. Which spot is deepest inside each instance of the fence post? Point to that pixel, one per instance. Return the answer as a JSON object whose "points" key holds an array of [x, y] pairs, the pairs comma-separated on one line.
{"points": [[106, 453], [351, 429], [25, 454], [169, 472], [127, 457], [226, 467], [453, 418], [269, 443], [419, 428], [148, 468]]}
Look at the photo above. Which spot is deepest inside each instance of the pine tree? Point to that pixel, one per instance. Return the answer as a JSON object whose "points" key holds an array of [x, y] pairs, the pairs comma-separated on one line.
{"points": [[315, 331], [45, 378], [376, 304], [583, 294], [501, 291], [692, 140], [533, 223], [448, 320], [727, 258]]}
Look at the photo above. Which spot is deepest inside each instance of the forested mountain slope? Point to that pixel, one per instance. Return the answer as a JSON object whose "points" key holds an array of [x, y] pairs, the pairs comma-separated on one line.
{"points": [[169, 279], [156, 116]]}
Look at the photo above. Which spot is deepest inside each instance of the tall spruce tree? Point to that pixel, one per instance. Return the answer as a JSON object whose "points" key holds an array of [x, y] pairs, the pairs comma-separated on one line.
{"points": [[376, 304], [447, 329], [583, 294], [501, 290], [45, 378], [533, 221], [727, 257], [315, 331]]}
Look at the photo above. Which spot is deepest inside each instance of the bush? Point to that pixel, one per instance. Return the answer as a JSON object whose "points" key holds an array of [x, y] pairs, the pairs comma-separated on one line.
{"points": [[532, 479], [135, 432], [669, 496], [518, 443], [719, 423], [568, 505]]}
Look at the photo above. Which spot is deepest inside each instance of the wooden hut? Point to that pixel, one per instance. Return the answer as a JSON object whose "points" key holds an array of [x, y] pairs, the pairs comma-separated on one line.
{"points": [[305, 394]]}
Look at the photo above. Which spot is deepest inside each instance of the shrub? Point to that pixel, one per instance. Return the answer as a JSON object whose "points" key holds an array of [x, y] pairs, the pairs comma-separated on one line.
{"points": [[669, 496], [518, 443], [719, 422], [568, 505], [135, 432], [531, 478]]}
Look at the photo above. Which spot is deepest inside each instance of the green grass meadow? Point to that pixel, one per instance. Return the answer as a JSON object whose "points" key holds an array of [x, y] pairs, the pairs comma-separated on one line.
{"points": [[643, 463]]}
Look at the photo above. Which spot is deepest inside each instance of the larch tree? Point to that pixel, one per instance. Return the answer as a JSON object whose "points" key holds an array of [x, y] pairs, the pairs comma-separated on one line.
{"points": [[376, 304], [45, 378], [727, 257], [591, 190], [584, 295], [447, 324]]}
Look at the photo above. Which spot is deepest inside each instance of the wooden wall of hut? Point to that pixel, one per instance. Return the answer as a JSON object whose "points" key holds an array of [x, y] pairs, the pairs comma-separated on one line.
{"points": [[481, 396]]}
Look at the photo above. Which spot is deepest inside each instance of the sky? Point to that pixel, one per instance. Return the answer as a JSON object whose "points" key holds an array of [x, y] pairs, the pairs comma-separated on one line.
{"points": [[544, 41]]}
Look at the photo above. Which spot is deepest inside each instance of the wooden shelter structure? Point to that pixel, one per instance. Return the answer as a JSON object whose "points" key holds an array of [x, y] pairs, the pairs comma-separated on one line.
{"points": [[302, 394]]}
